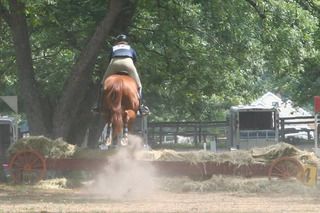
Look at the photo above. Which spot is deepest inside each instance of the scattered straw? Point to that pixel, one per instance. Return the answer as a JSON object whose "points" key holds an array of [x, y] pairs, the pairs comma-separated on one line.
{"points": [[58, 183], [236, 184]]}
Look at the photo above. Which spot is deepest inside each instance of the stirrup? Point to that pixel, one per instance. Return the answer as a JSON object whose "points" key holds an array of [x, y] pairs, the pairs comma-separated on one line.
{"points": [[144, 110]]}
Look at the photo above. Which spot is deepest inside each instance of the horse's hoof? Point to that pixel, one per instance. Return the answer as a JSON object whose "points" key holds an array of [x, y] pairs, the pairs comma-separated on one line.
{"points": [[108, 141], [124, 141], [103, 147]]}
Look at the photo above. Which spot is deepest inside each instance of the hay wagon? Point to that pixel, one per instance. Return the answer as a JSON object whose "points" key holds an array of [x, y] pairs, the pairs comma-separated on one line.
{"points": [[30, 166]]}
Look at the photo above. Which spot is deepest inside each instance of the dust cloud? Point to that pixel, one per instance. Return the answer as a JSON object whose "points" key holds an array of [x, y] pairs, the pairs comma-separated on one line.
{"points": [[125, 177]]}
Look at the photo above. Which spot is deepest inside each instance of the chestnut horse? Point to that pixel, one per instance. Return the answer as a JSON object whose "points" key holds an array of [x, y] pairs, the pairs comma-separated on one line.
{"points": [[120, 106]]}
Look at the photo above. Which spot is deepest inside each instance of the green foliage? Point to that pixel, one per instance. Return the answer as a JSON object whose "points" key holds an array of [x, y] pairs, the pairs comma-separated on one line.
{"points": [[292, 46], [8, 79], [196, 58], [201, 57], [59, 32]]}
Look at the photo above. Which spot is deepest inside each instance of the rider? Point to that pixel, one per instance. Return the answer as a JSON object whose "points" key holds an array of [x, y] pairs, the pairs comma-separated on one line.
{"points": [[122, 58]]}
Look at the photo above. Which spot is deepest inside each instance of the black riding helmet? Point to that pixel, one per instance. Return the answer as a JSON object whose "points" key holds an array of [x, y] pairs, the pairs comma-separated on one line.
{"points": [[121, 37]]}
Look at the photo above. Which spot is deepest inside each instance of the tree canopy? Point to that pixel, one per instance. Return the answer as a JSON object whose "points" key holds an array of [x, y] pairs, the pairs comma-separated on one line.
{"points": [[196, 58]]}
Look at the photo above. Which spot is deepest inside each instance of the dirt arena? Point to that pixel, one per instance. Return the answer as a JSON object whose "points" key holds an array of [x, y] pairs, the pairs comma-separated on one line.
{"points": [[254, 195]]}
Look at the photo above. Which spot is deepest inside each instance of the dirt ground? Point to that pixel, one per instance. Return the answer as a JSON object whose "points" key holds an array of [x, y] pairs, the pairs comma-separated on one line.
{"points": [[261, 196]]}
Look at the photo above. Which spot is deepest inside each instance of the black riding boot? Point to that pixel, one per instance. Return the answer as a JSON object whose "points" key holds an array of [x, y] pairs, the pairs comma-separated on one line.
{"points": [[143, 110], [98, 105]]}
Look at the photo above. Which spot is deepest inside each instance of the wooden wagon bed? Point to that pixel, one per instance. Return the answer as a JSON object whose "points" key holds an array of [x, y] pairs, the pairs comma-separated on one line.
{"points": [[29, 166]]}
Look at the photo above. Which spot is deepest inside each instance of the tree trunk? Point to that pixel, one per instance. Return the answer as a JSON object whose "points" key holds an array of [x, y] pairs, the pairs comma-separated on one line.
{"points": [[77, 85], [37, 110]]}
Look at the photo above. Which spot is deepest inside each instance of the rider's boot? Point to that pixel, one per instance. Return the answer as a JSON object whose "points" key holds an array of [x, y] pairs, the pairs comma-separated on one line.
{"points": [[143, 109], [98, 105]]}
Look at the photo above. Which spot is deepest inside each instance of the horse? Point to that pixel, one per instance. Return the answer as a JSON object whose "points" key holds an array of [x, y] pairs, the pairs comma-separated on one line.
{"points": [[120, 107]]}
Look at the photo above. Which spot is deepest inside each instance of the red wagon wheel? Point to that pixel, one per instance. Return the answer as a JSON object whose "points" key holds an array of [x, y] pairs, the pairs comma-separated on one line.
{"points": [[27, 167], [286, 168]]}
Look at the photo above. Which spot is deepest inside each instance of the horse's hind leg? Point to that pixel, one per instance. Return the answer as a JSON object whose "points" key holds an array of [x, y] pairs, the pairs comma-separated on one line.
{"points": [[108, 136], [105, 137], [125, 139]]}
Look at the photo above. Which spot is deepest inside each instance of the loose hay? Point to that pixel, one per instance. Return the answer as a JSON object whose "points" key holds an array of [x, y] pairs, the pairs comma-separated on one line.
{"points": [[47, 147], [237, 184], [56, 149], [58, 183], [239, 157], [218, 183], [269, 153]]}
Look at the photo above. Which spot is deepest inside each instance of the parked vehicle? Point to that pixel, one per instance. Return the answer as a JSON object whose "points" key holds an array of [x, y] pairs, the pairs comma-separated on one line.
{"points": [[9, 134], [253, 126]]}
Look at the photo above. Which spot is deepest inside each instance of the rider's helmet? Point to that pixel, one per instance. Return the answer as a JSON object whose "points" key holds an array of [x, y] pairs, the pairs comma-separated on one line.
{"points": [[121, 38]]}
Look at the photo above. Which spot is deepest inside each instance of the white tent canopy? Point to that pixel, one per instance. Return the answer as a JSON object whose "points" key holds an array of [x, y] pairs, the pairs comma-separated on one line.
{"points": [[286, 108]]}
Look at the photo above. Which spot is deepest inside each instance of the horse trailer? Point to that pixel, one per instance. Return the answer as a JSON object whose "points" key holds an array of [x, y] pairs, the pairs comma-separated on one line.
{"points": [[253, 126], [8, 133]]}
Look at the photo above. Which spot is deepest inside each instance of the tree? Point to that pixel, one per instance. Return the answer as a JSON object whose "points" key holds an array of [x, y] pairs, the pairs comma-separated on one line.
{"points": [[62, 118], [196, 58]]}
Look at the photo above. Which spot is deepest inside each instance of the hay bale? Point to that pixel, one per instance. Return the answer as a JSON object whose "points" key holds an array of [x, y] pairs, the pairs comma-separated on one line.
{"points": [[239, 157], [86, 153], [267, 154], [45, 146], [159, 155], [274, 151], [57, 149]]}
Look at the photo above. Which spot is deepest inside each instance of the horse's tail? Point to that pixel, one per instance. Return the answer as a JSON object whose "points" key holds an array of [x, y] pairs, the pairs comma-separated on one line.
{"points": [[116, 97]]}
